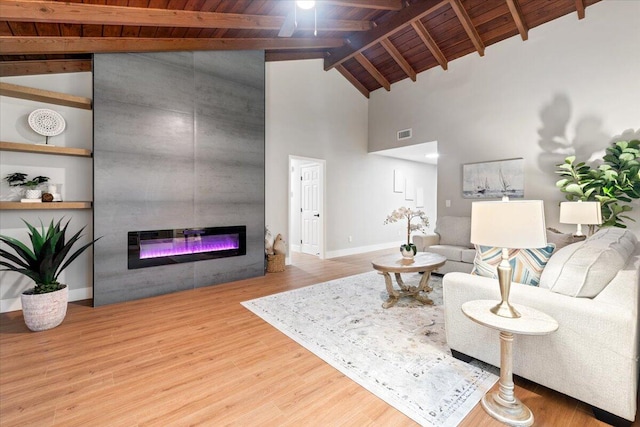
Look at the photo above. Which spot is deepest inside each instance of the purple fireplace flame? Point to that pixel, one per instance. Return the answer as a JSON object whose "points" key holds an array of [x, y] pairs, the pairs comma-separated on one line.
{"points": [[152, 248], [184, 246]]}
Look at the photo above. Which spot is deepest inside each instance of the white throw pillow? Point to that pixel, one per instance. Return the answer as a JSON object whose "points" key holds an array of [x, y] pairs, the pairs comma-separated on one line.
{"points": [[584, 269]]}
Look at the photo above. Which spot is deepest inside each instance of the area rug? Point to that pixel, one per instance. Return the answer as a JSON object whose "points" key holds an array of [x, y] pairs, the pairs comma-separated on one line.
{"points": [[399, 354]]}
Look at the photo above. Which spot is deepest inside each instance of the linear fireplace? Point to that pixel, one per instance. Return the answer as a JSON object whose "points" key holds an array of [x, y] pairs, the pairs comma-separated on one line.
{"points": [[160, 247]]}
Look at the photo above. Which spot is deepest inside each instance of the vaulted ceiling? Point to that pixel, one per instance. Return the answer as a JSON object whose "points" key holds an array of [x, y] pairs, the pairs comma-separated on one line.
{"points": [[372, 43]]}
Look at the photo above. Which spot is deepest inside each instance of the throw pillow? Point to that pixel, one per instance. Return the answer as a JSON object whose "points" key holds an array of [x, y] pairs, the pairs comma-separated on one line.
{"points": [[562, 239], [527, 264], [584, 269]]}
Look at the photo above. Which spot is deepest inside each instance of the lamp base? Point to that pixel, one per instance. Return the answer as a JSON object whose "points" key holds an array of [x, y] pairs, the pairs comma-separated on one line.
{"points": [[504, 309]]}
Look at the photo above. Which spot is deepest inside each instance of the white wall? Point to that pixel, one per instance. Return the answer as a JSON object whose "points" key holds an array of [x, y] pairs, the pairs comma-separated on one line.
{"points": [[74, 173], [318, 114], [573, 80]]}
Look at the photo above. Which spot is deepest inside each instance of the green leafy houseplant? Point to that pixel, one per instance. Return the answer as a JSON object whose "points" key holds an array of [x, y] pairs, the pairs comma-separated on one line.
{"points": [[19, 179], [614, 184], [44, 262]]}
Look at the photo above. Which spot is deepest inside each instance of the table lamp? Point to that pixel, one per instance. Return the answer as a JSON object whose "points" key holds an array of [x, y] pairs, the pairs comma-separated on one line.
{"points": [[508, 225], [579, 213]]}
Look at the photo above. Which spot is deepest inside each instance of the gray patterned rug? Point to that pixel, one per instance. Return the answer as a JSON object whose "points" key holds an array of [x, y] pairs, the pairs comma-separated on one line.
{"points": [[399, 354]]}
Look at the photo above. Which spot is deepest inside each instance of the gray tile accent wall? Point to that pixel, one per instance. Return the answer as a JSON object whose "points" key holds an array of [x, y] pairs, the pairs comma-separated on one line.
{"points": [[178, 142]]}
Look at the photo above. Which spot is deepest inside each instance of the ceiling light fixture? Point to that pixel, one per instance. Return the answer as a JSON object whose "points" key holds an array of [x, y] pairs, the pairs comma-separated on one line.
{"points": [[305, 4], [431, 155]]}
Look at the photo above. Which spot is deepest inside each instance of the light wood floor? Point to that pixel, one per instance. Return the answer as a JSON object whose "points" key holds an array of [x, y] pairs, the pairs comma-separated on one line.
{"points": [[199, 357]]}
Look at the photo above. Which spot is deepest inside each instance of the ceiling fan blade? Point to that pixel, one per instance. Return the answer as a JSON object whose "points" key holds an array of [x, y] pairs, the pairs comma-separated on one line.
{"points": [[288, 26]]}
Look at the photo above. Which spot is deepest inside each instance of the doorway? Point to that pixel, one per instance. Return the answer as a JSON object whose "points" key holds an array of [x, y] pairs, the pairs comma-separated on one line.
{"points": [[306, 205]]}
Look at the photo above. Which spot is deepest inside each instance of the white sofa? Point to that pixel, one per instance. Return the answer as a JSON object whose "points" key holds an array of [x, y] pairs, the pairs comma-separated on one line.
{"points": [[593, 356], [452, 239]]}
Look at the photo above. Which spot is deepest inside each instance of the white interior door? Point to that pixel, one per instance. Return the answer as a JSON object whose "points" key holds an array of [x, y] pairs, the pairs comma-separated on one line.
{"points": [[310, 209]]}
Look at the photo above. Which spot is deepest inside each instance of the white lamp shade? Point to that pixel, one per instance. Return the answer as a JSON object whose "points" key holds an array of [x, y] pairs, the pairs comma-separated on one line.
{"points": [[580, 213], [509, 224]]}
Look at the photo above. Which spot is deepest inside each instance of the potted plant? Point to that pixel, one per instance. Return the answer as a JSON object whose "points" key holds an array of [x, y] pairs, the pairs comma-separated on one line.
{"points": [[45, 305], [409, 250], [19, 179], [615, 183]]}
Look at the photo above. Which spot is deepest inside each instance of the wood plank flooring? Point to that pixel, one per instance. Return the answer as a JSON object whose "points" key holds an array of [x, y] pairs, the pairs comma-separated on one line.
{"points": [[199, 358]]}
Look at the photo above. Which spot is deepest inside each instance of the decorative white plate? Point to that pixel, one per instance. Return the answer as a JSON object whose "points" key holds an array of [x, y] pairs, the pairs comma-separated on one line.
{"points": [[46, 122]]}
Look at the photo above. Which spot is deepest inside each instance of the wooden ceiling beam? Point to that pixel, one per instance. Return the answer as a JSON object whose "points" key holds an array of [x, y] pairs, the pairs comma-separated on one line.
{"points": [[66, 45], [400, 60], [518, 17], [292, 56], [465, 20], [430, 43], [355, 82], [371, 69], [97, 14], [580, 8], [367, 4], [399, 21], [56, 66]]}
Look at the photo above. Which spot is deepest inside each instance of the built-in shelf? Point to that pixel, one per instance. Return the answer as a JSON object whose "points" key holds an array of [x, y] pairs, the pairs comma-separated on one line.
{"points": [[44, 149], [44, 206], [48, 96]]}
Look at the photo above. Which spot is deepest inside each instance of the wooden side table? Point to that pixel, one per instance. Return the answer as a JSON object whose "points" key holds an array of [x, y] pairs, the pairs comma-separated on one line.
{"points": [[423, 262], [503, 405]]}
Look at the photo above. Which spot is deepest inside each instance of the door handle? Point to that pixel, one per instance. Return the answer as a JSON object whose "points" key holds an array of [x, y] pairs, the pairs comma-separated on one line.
{"points": [[317, 215]]}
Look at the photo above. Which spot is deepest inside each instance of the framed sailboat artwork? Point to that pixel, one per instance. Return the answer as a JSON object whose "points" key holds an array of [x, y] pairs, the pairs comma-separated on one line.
{"points": [[493, 180]]}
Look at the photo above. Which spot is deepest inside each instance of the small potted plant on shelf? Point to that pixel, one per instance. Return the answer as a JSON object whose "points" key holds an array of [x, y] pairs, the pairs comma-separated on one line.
{"points": [[409, 250], [19, 179], [45, 305]]}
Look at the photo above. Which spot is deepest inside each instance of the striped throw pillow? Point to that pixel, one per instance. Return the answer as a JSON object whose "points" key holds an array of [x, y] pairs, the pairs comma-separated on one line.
{"points": [[527, 264]]}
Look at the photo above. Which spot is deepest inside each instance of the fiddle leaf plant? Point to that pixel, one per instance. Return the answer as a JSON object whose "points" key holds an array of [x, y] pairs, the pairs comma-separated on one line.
{"points": [[45, 260], [614, 184]]}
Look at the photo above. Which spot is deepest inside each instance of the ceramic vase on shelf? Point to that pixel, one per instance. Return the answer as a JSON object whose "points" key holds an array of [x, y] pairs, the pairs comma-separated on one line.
{"points": [[56, 191], [408, 251], [33, 194]]}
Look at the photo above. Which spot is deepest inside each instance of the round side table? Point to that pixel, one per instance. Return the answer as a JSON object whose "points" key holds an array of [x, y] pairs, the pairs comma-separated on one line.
{"points": [[503, 405]]}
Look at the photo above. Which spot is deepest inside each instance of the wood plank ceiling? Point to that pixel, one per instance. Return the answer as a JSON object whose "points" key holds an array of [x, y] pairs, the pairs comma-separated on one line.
{"points": [[372, 43]]}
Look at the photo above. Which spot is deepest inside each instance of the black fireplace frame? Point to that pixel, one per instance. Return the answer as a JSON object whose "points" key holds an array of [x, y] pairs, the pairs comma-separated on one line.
{"points": [[135, 237]]}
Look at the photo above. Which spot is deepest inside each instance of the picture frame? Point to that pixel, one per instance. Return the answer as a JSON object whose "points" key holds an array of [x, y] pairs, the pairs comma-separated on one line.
{"points": [[398, 181], [420, 197], [409, 191], [494, 179]]}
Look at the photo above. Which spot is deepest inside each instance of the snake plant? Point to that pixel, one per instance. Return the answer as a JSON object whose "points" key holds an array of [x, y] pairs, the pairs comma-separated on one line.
{"points": [[45, 260]]}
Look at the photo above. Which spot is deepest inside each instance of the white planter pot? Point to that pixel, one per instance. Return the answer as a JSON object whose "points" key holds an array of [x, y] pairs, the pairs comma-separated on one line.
{"points": [[33, 194], [44, 311], [408, 253]]}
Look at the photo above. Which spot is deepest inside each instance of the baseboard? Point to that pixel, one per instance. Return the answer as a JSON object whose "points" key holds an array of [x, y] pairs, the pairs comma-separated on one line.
{"points": [[360, 250], [13, 304]]}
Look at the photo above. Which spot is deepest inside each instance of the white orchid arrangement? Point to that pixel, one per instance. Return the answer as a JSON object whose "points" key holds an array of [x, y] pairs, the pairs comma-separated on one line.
{"points": [[408, 214]]}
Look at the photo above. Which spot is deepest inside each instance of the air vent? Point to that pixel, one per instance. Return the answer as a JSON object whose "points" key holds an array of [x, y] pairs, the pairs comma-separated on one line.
{"points": [[404, 134]]}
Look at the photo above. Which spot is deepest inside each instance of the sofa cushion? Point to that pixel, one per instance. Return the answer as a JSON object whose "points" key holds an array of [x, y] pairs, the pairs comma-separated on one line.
{"points": [[468, 255], [527, 264], [454, 230], [584, 269], [451, 253]]}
